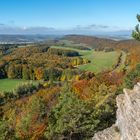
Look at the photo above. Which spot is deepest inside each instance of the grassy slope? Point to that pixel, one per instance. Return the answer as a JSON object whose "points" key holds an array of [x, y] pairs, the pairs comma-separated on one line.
{"points": [[10, 84], [66, 48], [99, 60]]}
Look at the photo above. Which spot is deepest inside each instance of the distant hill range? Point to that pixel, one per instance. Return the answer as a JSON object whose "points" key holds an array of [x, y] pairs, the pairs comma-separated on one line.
{"points": [[15, 39], [102, 42], [91, 41]]}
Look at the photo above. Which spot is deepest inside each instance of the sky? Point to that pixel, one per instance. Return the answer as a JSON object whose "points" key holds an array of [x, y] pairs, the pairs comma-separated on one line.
{"points": [[34, 16]]}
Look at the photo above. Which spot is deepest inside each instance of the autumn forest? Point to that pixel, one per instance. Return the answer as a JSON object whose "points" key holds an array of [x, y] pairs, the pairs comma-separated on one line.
{"points": [[63, 86]]}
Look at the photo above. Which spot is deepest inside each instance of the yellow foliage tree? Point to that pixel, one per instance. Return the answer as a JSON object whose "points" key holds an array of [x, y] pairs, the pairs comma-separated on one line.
{"points": [[39, 73]]}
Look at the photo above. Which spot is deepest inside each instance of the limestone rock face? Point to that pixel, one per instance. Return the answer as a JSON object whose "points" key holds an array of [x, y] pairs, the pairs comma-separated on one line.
{"points": [[127, 126], [128, 114], [111, 133]]}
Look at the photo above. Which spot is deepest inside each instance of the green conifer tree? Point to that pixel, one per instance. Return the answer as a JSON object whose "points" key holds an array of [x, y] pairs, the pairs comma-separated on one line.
{"points": [[136, 32]]}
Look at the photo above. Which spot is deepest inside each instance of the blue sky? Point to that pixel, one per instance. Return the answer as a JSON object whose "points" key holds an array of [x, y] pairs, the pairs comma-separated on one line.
{"points": [[70, 14]]}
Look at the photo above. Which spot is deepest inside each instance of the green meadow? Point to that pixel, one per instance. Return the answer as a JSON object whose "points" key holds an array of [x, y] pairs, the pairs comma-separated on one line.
{"points": [[100, 60], [10, 84]]}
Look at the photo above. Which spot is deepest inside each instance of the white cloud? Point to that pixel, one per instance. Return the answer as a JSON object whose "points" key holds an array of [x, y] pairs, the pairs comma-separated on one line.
{"points": [[89, 29]]}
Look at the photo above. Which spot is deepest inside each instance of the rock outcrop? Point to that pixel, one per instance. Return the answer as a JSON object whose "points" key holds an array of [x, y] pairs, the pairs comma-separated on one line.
{"points": [[111, 133], [127, 126]]}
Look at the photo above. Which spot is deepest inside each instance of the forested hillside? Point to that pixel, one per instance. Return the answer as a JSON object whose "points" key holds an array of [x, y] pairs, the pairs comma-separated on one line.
{"points": [[67, 86], [95, 42], [64, 65]]}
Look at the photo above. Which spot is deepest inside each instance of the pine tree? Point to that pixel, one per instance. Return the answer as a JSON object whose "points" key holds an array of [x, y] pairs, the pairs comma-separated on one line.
{"points": [[136, 32]]}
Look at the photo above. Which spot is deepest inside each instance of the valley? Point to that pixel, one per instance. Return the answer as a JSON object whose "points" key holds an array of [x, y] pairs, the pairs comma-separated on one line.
{"points": [[99, 61], [69, 70], [80, 79]]}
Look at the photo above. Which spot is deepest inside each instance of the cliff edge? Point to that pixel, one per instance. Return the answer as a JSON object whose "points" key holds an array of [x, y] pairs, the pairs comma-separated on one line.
{"points": [[127, 126]]}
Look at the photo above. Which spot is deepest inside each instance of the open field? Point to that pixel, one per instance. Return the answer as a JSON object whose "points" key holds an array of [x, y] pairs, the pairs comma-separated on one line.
{"points": [[10, 84], [100, 60], [68, 48]]}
